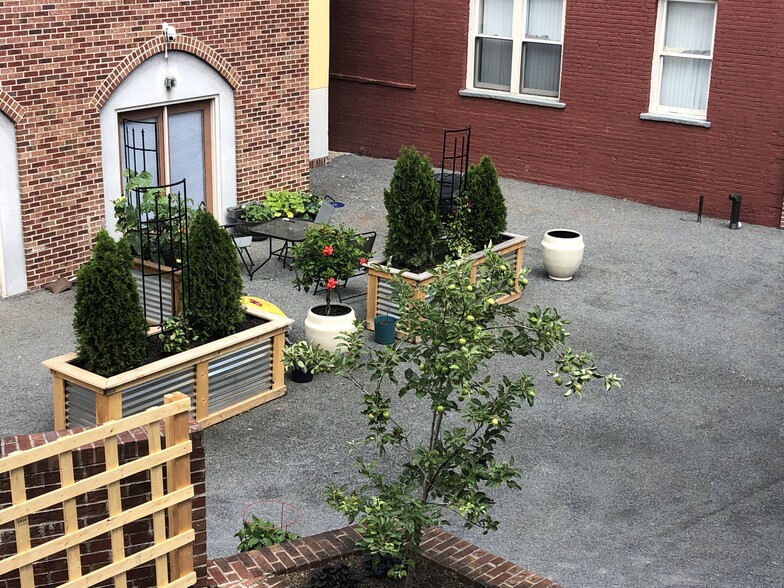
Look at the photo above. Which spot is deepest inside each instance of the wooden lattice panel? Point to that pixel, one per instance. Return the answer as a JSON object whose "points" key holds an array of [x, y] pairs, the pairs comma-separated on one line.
{"points": [[171, 549]]}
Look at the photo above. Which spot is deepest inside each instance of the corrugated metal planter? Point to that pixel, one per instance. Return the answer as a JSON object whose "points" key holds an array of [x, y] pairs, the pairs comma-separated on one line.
{"points": [[379, 300], [223, 378], [159, 290]]}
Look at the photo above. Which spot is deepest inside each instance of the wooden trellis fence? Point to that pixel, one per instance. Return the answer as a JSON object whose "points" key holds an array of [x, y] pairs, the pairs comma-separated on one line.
{"points": [[171, 552]]}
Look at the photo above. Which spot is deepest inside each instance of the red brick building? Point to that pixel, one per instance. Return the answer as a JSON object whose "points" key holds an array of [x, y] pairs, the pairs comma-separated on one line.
{"points": [[227, 89], [656, 101]]}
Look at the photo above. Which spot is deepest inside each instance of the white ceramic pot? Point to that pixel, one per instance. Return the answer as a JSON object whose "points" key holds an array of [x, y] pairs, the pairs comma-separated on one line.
{"points": [[323, 330], [562, 253]]}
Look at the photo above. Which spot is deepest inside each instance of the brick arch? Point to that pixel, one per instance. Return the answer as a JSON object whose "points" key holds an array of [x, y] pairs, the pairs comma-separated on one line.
{"points": [[155, 46], [11, 108]]}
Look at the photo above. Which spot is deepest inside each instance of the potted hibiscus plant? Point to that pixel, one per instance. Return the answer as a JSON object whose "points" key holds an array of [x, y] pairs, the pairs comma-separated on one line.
{"points": [[327, 258]]}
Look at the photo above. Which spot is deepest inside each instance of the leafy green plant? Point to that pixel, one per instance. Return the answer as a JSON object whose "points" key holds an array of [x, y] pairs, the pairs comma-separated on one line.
{"points": [[176, 334], [482, 210], [111, 331], [378, 566], [312, 207], [456, 231], [214, 282], [164, 214], [327, 256], [455, 465], [337, 575], [256, 212], [413, 222], [290, 204], [304, 356], [258, 533], [125, 213]]}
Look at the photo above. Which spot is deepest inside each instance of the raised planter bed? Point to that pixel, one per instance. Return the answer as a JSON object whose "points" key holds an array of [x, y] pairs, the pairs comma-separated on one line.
{"points": [[379, 300], [223, 378], [266, 568]]}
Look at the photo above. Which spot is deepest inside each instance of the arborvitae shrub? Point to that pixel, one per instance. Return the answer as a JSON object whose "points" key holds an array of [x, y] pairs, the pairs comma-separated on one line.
{"points": [[111, 331], [214, 281], [413, 223], [487, 217]]}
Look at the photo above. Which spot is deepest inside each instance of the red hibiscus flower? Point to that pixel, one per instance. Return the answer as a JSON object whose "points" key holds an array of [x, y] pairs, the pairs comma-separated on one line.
{"points": [[331, 284], [363, 261], [327, 250]]}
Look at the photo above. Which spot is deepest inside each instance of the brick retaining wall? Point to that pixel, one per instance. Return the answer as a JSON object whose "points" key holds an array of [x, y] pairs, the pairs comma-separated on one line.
{"points": [[262, 568]]}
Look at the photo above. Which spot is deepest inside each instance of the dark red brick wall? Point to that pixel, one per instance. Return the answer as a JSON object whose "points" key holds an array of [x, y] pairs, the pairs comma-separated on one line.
{"points": [[372, 25], [598, 142], [56, 57], [42, 477]]}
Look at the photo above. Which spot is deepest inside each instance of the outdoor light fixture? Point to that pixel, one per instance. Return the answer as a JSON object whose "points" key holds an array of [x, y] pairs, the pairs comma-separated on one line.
{"points": [[169, 32], [169, 35]]}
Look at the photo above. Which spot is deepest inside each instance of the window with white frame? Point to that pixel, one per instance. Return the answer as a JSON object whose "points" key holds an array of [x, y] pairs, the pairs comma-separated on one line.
{"points": [[682, 58], [516, 46]]}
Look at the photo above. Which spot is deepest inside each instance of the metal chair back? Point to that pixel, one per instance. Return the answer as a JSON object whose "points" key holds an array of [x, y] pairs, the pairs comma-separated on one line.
{"points": [[324, 212]]}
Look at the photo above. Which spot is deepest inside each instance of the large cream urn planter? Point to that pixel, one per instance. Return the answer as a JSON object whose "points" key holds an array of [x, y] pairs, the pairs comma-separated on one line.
{"points": [[223, 378], [562, 253], [323, 330], [380, 279]]}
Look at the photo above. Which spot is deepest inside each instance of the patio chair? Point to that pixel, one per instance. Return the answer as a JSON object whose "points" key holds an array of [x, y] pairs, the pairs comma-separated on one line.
{"points": [[367, 248], [324, 213], [242, 243]]}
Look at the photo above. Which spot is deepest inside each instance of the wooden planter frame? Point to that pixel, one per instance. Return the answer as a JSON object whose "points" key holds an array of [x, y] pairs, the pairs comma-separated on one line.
{"points": [[379, 300], [245, 370]]}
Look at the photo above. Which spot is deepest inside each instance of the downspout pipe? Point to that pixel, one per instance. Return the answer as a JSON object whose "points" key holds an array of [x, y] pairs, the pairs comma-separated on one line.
{"points": [[735, 214]]}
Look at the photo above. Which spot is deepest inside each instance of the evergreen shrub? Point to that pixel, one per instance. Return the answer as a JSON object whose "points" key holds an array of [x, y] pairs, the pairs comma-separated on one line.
{"points": [[214, 281], [485, 216], [111, 331], [413, 222]]}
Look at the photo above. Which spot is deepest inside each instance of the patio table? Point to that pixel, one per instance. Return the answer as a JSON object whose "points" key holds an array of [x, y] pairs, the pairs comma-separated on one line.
{"points": [[288, 230]]}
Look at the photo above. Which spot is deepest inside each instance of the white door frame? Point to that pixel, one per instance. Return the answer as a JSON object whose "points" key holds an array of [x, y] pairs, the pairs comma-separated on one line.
{"points": [[13, 271], [145, 87]]}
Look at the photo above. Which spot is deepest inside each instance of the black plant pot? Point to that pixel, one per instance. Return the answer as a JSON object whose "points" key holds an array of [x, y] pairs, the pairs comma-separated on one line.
{"points": [[301, 377]]}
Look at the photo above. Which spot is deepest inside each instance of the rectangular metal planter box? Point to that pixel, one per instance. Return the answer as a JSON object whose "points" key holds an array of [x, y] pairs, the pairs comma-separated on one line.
{"points": [[223, 378], [379, 300]]}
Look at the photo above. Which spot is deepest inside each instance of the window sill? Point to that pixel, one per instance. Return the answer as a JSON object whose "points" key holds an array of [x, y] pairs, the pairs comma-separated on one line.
{"points": [[532, 100], [673, 118]]}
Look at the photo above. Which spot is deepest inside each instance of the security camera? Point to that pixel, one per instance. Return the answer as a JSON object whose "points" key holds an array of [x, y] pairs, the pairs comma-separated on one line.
{"points": [[169, 33]]}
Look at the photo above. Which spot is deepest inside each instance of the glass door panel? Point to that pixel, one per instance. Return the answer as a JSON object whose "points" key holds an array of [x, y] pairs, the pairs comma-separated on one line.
{"points": [[186, 153]]}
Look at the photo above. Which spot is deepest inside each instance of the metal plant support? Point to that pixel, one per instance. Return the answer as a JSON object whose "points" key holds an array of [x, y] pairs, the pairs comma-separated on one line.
{"points": [[164, 238], [161, 233], [140, 147], [454, 169]]}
